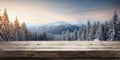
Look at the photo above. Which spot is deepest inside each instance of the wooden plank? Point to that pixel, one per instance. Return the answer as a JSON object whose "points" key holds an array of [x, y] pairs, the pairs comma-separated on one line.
{"points": [[59, 46], [51, 59], [61, 54], [60, 49], [61, 43]]}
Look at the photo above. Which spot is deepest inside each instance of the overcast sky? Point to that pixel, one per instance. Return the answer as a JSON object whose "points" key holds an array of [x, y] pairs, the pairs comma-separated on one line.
{"points": [[48, 11]]}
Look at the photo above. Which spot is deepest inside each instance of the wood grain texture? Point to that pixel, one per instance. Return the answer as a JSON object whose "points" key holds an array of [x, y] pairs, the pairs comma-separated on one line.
{"points": [[61, 54], [60, 49]]}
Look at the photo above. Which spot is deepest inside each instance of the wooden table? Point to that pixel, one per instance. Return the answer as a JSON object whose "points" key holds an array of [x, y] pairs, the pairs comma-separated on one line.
{"points": [[59, 50]]}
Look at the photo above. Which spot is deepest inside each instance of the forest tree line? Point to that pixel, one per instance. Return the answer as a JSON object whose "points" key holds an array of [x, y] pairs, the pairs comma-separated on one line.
{"points": [[14, 31], [107, 31]]}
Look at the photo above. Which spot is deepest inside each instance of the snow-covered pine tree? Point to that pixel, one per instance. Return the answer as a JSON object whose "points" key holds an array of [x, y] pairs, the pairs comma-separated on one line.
{"points": [[106, 31], [92, 32], [115, 28], [88, 30], [63, 35], [25, 31], [5, 26], [75, 36], [1, 29], [98, 30], [67, 35], [12, 33], [83, 33], [17, 30], [102, 33]]}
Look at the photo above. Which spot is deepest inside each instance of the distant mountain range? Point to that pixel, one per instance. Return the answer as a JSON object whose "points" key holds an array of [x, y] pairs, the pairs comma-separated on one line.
{"points": [[55, 28]]}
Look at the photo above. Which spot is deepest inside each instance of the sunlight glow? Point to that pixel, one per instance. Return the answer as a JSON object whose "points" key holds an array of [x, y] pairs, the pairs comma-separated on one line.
{"points": [[43, 13]]}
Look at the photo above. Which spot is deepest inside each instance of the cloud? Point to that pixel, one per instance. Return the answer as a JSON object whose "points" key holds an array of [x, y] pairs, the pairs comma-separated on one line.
{"points": [[46, 12]]}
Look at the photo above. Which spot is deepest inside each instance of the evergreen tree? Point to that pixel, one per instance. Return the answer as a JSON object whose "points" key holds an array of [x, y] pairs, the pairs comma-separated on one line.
{"points": [[5, 26], [1, 29], [25, 31], [115, 28], [12, 33], [17, 29], [88, 30], [75, 36]]}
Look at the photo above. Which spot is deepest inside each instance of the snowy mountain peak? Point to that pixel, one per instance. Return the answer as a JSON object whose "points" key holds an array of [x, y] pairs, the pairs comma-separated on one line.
{"points": [[61, 22], [58, 23]]}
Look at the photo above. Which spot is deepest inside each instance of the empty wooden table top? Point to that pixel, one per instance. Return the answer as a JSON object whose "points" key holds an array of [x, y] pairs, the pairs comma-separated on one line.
{"points": [[60, 49]]}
